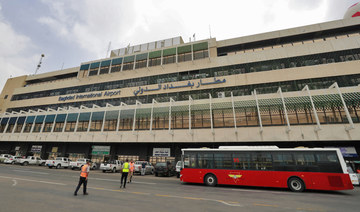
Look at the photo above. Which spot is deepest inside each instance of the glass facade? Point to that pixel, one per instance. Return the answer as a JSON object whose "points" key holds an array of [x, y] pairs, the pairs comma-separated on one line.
{"points": [[308, 60], [329, 110], [317, 83]]}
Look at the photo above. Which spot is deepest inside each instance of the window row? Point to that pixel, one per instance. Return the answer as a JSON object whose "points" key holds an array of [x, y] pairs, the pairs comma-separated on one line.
{"points": [[218, 118], [310, 161], [309, 60], [142, 62]]}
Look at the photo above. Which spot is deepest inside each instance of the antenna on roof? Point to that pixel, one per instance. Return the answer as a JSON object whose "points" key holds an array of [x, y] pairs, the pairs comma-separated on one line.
{"points": [[39, 64], [108, 50], [210, 30]]}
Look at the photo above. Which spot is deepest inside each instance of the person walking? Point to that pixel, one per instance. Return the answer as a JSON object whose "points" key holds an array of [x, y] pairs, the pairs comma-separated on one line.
{"points": [[125, 172], [143, 168], [131, 172], [85, 169]]}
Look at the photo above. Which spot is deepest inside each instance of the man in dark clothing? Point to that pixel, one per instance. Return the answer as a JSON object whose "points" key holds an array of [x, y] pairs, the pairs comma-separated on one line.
{"points": [[85, 169], [143, 166], [125, 172]]}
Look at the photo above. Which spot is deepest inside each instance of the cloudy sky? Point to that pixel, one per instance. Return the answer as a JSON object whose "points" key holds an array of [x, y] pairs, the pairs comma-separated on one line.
{"points": [[69, 32]]}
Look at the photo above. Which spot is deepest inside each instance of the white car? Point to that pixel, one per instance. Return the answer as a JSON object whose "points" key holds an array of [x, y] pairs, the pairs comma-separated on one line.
{"points": [[30, 160], [12, 159], [353, 177], [149, 169], [58, 163], [80, 162], [3, 156], [178, 169], [112, 166]]}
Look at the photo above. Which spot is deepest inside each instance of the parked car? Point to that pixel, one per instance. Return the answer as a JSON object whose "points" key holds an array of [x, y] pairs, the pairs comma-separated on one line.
{"points": [[30, 160], [354, 178], [165, 169], [178, 168], [11, 160], [80, 162], [114, 166], [149, 169], [42, 162], [58, 163], [3, 156]]}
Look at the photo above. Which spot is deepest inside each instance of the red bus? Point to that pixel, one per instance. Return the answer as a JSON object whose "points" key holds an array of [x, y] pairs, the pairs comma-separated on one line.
{"points": [[267, 166]]}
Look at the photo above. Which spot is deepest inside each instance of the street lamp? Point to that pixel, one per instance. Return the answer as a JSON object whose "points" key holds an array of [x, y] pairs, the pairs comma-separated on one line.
{"points": [[39, 64]]}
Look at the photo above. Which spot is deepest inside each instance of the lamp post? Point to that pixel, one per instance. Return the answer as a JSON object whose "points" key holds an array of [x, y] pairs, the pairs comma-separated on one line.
{"points": [[39, 64]]}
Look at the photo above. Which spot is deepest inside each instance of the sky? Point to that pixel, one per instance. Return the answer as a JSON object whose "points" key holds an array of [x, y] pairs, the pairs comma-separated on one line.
{"points": [[69, 32]]}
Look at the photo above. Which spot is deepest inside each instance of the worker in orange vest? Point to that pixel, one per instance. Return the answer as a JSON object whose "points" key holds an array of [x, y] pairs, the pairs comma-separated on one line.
{"points": [[85, 169], [131, 171]]}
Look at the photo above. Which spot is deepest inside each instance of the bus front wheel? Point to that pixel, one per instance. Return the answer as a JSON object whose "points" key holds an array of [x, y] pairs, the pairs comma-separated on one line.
{"points": [[210, 180], [296, 184]]}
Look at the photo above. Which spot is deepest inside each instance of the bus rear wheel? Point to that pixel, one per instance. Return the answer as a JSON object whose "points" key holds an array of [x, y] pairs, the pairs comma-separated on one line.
{"points": [[210, 180], [296, 184]]}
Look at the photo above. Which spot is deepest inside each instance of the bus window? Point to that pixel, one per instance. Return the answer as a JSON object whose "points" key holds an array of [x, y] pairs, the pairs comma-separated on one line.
{"points": [[305, 162], [190, 160], [223, 160], [206, 160], [328, 162], [262, 161], [241, 160], [283, 161]]}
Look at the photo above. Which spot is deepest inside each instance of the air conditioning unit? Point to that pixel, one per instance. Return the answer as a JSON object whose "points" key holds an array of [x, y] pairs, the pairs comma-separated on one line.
{"points": [[221, 94]]}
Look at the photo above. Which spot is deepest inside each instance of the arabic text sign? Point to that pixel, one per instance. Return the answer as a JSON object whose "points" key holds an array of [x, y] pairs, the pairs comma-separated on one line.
{"points": [[162, 152], [100, 150], [36, 148], [348, 151], [191, 84]]}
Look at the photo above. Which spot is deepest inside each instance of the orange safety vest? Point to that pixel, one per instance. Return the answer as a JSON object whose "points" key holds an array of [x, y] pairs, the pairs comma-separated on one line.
{"points": [[132, 166], [84, 171]]}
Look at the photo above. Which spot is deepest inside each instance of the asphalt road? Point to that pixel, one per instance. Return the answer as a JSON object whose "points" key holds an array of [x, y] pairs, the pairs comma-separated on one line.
{"points": [[33, 188]]}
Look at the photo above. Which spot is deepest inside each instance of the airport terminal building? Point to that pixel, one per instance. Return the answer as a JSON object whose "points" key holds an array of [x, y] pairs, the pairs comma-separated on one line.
{"points": [[290, 88]]}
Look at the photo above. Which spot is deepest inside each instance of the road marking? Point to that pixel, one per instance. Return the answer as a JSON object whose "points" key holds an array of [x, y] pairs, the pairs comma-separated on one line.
{"points": [[255, 191], [15, 182], [142, 193], [36, 181], [170, 196], [105, 189], [265, 205], [233, 204], [110, 180], [143, 183], [161, 195], [194, 198], [309, 209], [30, 171]]}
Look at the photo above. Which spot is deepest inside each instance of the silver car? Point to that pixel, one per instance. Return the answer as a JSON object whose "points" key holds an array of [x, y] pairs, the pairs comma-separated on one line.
{"points": [[11, 160]]}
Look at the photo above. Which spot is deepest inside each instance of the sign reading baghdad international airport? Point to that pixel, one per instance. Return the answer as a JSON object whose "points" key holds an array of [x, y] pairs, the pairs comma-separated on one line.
{"points": [[89, 95]]}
